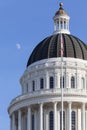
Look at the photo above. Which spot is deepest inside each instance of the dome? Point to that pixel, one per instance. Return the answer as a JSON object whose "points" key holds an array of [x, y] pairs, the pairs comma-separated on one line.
{"points": [[50, 48]]}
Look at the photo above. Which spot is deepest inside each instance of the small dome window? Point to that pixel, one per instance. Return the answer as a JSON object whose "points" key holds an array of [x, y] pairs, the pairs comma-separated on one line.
{"points": [[51, 120], [73, 114], [72, 82], [41, 83], [33, 85], [51, 82], [33, 122]]}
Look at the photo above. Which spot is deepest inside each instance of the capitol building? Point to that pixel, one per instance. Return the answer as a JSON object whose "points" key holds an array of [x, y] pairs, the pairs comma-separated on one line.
{"points": [[38, 107]]}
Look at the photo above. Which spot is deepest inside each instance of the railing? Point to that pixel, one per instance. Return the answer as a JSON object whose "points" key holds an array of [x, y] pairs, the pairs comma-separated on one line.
{"points": [[56, 91]]}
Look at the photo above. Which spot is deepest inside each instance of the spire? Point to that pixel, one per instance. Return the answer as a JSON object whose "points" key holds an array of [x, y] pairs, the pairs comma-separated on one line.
{"points": [[61, 4], [61, 21]]}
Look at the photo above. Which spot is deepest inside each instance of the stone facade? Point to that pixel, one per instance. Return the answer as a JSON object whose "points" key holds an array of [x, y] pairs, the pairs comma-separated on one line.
{"points": [[39, 102]]}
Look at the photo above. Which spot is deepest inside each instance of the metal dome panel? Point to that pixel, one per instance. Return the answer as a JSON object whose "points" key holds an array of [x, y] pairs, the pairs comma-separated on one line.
{"points": [[50, 48]]}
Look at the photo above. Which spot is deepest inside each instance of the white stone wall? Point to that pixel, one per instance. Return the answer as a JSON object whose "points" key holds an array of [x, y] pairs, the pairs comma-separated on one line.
{"points": [[76, 96], [52, 67]]}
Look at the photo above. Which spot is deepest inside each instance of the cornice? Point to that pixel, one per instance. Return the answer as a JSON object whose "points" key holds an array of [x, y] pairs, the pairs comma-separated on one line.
{"points": [[24, 100]]}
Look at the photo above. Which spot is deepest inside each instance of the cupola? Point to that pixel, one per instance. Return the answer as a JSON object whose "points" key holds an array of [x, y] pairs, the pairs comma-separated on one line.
{"points": [[61, 21]]}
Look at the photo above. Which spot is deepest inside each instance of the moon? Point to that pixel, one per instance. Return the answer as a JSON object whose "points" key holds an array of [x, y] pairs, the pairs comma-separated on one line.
{"points": [[18, 46]]}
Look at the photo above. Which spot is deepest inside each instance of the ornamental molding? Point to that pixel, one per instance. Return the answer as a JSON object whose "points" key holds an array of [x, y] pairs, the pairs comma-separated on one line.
{"points": [[47, 99], [26, 100]]}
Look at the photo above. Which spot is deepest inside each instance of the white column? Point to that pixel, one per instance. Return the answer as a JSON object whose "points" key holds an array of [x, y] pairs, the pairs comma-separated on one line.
{"points": [[79, 119], [85, 83], [54, 26], [55, 115], [41, 116], [86, 120], [69, 115], [47, 81], [58, 80], [29, 118], [13, 121], [83, 116], [19, 119], [55, 79], [58, 122], [35, 126], [76, 83], [68, 24], [59, 24], [44, 119], [69, 82], [46, 127], [63, 23], [79, 83]]}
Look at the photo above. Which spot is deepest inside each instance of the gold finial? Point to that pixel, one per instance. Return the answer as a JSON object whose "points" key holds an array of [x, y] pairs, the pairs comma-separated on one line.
{"points": [[60, 4]]}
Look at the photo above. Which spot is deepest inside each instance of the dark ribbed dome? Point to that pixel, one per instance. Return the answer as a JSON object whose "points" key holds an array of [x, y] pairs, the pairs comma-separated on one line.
{"points": [[50, 48]]}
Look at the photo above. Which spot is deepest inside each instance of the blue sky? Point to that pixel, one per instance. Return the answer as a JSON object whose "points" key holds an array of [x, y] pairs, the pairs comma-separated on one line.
{"points": [[27, 22]]}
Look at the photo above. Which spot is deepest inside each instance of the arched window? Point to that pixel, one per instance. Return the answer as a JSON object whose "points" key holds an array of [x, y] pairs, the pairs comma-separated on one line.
{"points": [[33, 120], [51, 82], [82, 83], [41, 83], [73, 120], [72, 82], [62, 82], [63, 120], [33, 85], [51, 121]]}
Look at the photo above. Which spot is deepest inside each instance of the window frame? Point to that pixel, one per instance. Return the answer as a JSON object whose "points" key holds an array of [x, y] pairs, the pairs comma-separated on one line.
{"points": [[51, 82], [33, 85], [41, 83], [33, 122], [73, 120], [51, 120], [72, 82]]}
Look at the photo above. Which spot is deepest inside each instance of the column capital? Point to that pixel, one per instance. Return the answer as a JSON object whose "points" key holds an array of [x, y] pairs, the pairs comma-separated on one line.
{"points": [[41, 104], [55, 103], [69, 102], [19, 110], [83, 103], [29, 106]]}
